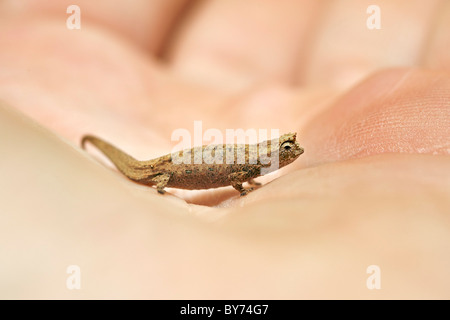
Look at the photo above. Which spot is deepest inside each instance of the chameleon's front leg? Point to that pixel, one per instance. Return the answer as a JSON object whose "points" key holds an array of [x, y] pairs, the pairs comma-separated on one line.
{"points": [[236, 180], [161, 182], [253, 182]]}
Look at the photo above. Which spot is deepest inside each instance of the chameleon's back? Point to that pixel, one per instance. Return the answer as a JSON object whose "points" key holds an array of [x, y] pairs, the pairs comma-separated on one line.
{"points": [[208, 166]]}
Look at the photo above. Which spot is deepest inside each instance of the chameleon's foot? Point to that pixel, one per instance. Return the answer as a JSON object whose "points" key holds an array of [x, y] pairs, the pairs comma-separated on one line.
{"points": [[236, 179], [254, 183], [246, 191], [161, 182]]}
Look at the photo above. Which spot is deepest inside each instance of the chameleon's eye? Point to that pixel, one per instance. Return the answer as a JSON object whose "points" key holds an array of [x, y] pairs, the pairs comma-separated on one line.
{"points": [[286, 146]]}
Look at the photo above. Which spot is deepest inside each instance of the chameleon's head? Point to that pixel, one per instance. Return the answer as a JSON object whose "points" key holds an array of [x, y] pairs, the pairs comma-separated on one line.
{"points": [[288, 149]]}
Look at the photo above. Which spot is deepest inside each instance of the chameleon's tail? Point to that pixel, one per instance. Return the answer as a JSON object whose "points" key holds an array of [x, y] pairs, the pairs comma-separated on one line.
{"points": [[125, 163]]}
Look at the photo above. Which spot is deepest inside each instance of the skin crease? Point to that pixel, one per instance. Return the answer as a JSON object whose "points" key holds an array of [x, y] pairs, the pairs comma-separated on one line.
{"points": [[371, 188]]}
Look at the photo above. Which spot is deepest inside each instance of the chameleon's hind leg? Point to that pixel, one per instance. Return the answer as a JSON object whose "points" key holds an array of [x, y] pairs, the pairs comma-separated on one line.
{"points": [[161, 182], [236, 180]]}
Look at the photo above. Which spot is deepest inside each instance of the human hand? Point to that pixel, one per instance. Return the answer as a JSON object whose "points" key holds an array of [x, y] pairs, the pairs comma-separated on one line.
{"points": [[371, 188]]}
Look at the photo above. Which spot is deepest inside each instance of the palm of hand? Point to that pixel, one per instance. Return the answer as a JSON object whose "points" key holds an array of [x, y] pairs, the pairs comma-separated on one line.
{"points": [[382, 145]]}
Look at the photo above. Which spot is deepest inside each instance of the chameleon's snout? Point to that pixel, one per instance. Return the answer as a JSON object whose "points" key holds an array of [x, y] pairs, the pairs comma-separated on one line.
{"points": [[298, 150]]}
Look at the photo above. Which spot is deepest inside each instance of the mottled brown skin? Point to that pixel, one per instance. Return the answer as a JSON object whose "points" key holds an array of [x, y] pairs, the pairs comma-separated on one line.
{"points": [[165, 171]]}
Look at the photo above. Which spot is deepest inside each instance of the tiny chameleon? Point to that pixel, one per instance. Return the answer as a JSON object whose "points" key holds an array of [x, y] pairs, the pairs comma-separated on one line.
{"points": [[163, 172]]}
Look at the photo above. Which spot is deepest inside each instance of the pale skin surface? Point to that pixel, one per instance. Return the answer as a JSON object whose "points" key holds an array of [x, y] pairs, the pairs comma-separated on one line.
{"points": [[371, 188]]}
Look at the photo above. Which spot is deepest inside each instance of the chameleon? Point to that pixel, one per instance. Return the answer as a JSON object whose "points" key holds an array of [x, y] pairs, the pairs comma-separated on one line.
{"points": [[167, 171]]}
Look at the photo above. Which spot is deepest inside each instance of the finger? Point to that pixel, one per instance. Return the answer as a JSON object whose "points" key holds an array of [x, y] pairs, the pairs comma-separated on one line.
{"points": [[145, 23], [231, 44], [345, 50], [400, 111], [437, 54], [232, 47]]}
